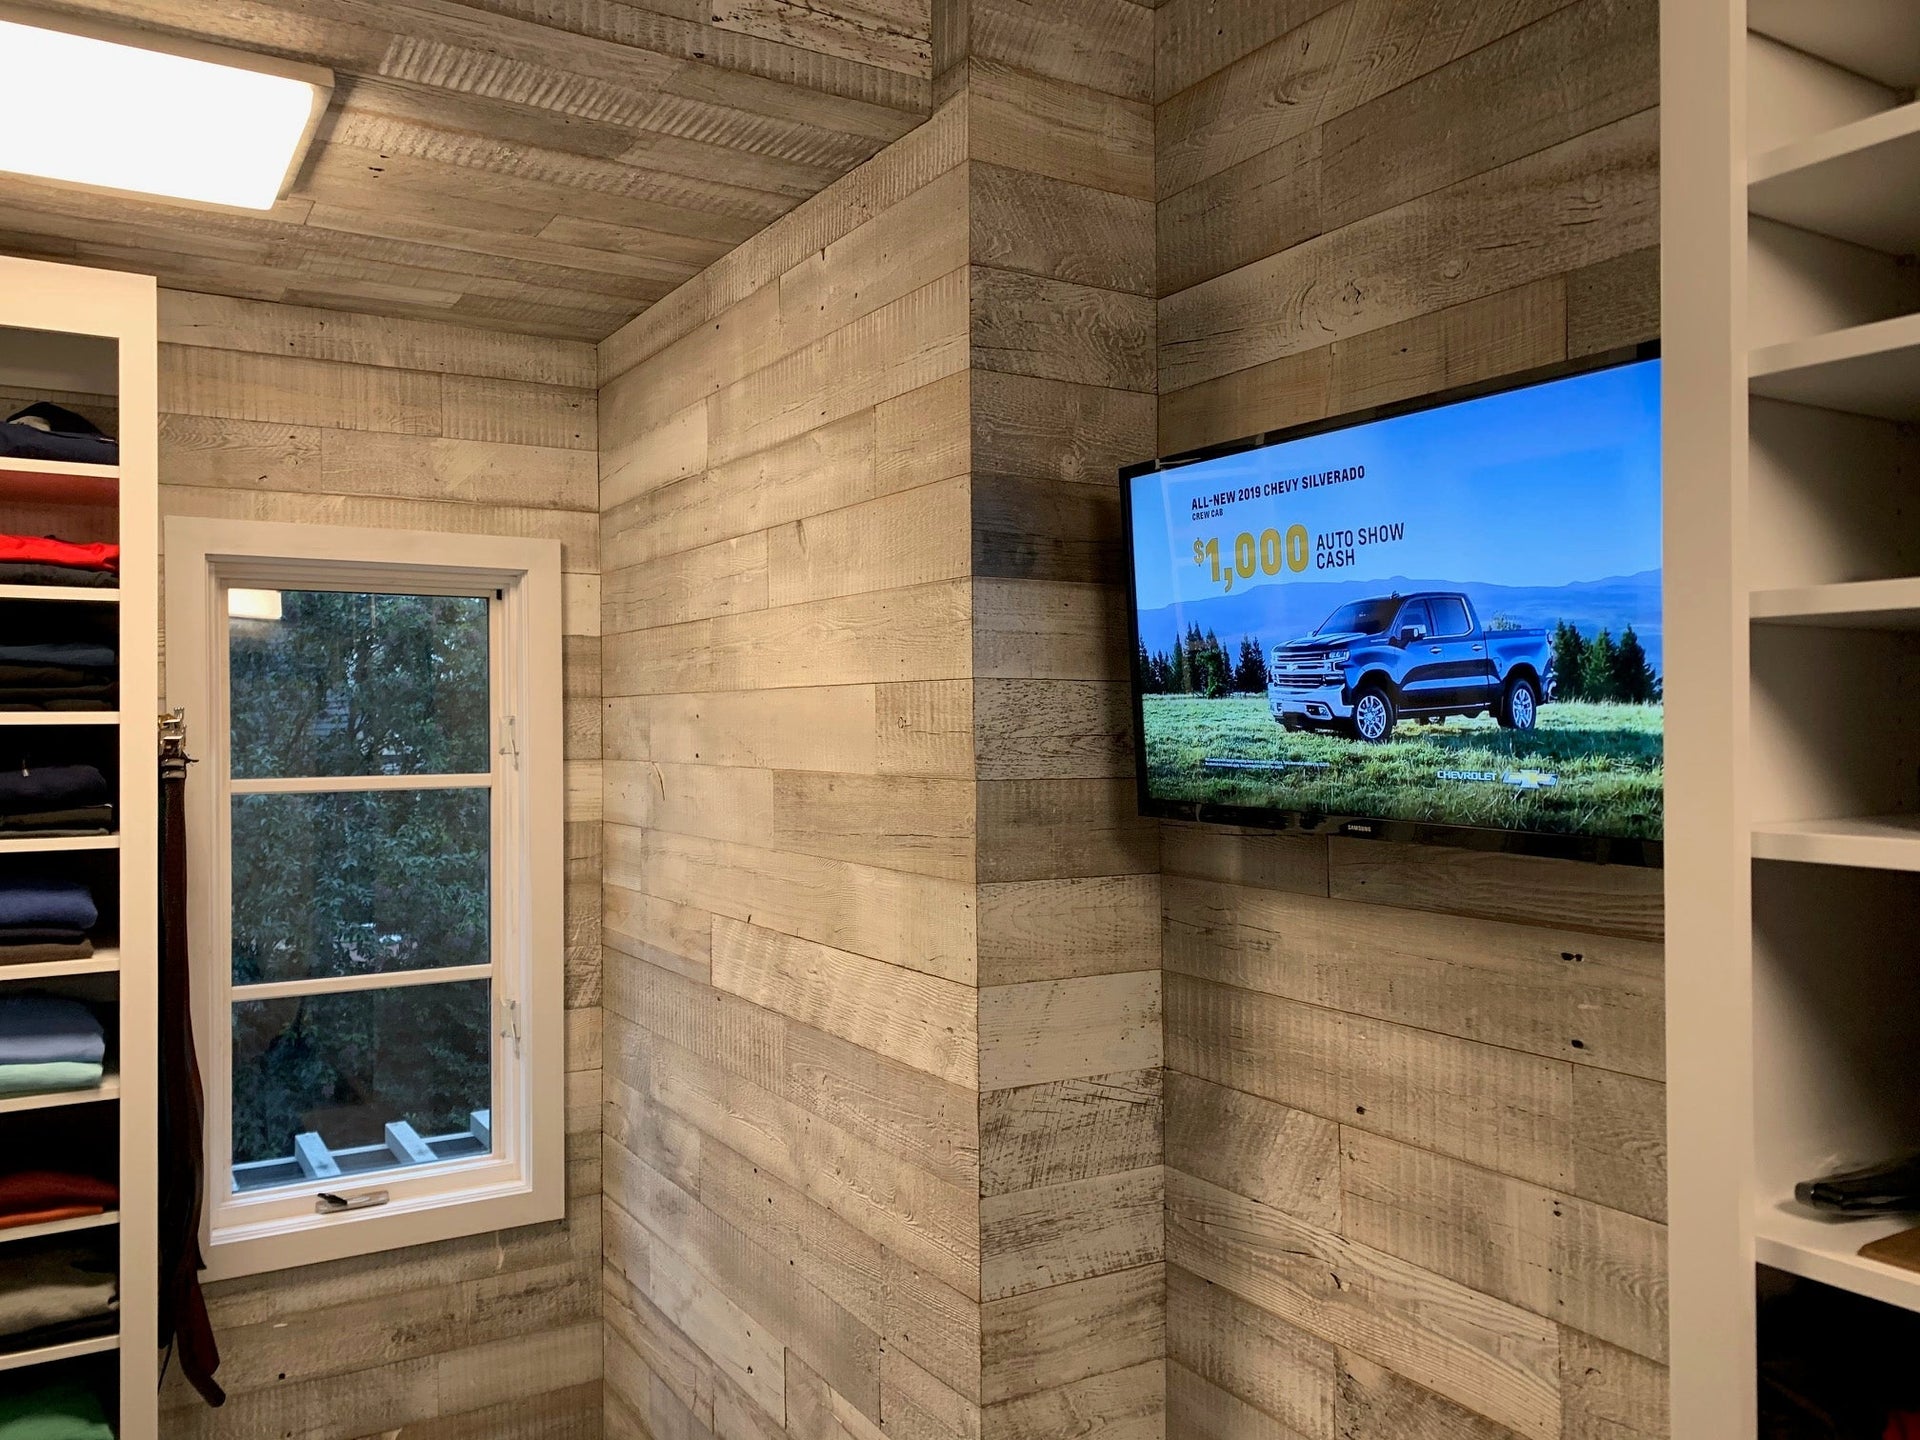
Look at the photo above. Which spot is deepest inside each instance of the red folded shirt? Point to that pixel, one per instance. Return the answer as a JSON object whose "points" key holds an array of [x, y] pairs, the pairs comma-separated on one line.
{"points": [[29, 1197], [43, 550]]}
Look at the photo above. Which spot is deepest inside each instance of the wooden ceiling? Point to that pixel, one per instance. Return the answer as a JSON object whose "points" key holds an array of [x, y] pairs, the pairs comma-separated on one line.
{"points": [[543, 166]]}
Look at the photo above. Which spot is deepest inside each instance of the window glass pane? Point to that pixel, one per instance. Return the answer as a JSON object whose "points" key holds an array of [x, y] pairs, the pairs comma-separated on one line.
{"points": [[330, 683], [367, 881], [1449, 616], [342, 1068]]}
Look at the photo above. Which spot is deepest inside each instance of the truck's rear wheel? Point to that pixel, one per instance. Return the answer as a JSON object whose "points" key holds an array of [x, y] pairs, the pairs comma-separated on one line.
{"points": [[1374, 716], [1520, 705]]}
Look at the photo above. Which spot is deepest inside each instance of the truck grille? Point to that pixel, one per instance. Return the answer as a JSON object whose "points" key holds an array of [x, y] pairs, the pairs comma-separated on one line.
{"points": [[1299, 677]]}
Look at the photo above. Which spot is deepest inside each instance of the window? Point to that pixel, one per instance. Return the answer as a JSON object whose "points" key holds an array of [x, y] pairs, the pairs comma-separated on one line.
{"points": [[376, 881], [1413, 616], [1449, 616]]}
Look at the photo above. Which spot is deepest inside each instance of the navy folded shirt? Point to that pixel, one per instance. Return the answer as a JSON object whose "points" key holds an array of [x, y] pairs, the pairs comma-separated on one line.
{"points": [[41, 903], [65, 654], [27, 789], [45, 431]]}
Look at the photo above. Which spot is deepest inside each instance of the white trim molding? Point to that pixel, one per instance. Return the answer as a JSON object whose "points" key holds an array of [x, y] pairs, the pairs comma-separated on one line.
{"points": [[521, 1179]]}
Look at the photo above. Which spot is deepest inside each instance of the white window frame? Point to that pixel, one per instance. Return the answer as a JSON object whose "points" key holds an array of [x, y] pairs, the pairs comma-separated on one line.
{"points": [[523, 1180]]}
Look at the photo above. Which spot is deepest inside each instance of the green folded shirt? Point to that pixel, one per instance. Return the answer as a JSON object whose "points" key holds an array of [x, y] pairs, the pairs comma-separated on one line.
{"points": [[49, 1075], [53, 1412]]}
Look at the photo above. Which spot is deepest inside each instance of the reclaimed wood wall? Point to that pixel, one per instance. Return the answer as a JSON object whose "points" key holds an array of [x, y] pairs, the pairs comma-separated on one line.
{"points": [[277, 412], [792, 1124], [1415, 1120]]}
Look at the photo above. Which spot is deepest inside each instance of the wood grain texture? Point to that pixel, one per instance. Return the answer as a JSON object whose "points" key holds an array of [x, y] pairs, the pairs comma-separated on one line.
{"points": [[513, 165], [305, 414], [1362, 202]]}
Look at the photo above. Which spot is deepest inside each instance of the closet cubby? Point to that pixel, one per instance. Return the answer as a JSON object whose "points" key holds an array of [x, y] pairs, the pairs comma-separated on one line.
{"points": [[78, 782]]}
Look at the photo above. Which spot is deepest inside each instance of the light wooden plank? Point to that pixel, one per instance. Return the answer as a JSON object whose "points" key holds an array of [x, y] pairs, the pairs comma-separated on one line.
{"points": [[1292, 863], [1054, 1030], [1065, 1333], [1600, 1271], [1592, 999], [1257, 1357], [728, 577], [1095, 43], [1055, 330], [1032, 930], [1197, 38], [1493, 1358], [1073, 1230], [1611, 1394], [1206, 1412], [912, 537], [1244, 213], [1066, 131], [195, 380], [1038, 225], [1054, 430], [1069, 1130], [1253, 1147], [1374, 1403], [1055, 828], [917, 1019], [1127, 1404]]}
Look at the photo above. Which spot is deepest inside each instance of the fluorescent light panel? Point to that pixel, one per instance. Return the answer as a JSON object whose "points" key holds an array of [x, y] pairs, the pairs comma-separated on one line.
{"points": [[94, 111]]}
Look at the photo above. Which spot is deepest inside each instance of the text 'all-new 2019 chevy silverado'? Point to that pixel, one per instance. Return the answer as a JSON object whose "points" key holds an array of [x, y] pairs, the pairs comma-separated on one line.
{"points": [[1373, 663]]}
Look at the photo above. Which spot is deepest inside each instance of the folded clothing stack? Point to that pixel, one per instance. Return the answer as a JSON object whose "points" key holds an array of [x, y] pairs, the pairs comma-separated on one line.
{"points": [[55, 800], [45, 919], [42, 560], [49, 1042], [53, 1292], [61, 1410], [45, 431], [40, 1197], [57, 675]]}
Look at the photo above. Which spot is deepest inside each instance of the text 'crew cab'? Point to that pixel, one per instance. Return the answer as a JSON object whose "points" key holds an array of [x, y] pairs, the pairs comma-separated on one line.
{"points": [[1373, 663]]}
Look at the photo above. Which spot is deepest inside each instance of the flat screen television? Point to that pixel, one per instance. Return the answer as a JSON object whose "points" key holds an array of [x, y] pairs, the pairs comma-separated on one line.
{"points": [[1438, 620]]}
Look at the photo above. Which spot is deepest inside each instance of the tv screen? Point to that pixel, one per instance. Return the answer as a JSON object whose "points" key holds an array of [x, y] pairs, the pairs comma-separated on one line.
{"points": [[1438, 620]]}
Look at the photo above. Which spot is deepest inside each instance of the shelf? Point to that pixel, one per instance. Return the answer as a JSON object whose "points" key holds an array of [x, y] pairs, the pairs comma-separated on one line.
{"points": [[1860, 605], [101, 962], [57, 482], [59, 717], [107, 595], [58, 1227], [1860, 182], [1873, 842], [1876, 38], [107, 1089], [48, 1354], [1867, 370], [34, 845], [1788, 1238]]}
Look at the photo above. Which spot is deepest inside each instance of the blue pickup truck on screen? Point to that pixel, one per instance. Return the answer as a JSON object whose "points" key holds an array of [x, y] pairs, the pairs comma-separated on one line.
{"points": [[1425, 656]]}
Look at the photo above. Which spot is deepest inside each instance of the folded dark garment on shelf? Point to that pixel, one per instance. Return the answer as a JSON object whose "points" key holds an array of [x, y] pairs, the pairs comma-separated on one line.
{"points": [[48, 1285], [98, 700], [50, 550], [16, 935], [45, 952], [69, 654], [77, 820], [52, 677], [28, 572], [45, 431], [49, 1030], [46, 902], [64, 1410], [1890, 1188], [26, 789], [63, 1332]]}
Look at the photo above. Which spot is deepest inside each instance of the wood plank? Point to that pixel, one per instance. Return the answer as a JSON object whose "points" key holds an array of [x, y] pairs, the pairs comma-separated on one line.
{"points": [[919, 1020], [1206, 1412], [1095, 43], [1283, 1158], [1600, 1271], [894, 36], [676, 937], [1055, 430], [1022, 121], [1065, 1333], [1038, 225], [1489, 1106], [1055, 330], [1480, 340], [1373, 1403], [1493, 1358], [1074, 1230], [1596, 1000], [1264, 204], [1611, 1394], [1054, 929], [1197, 38], [195, 380], [912, 537], [1614, 303], [1587, 200], [1127, 1404], [918, 921], [1257, 1357], [1026, 529], [1056, 828], [1054, 1030], [1044, 629], [1620, 1141], [1296, 864], [728, 577], [1612, 900], [1069, 1130]]}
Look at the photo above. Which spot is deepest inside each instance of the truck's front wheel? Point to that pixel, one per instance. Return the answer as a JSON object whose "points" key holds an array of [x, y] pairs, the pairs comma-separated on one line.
{"points": [[1374, 716], [1520, 706]]}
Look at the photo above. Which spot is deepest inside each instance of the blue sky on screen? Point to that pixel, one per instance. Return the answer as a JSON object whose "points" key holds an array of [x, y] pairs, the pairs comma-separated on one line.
{"points": [[1538, 487]]}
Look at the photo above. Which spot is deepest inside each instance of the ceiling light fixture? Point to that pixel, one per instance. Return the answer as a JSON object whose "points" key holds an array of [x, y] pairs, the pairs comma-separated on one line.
{"points": [[114, 109]]}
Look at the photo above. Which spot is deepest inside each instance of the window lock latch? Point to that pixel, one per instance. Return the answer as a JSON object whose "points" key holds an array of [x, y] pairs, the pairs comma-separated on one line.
{"points": [[510, 738], [511, 1030], [326, 1203]]}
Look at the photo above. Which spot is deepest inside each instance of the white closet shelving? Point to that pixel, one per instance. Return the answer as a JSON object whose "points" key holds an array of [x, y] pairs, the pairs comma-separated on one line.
{"points": [[67, 332], [1790, 219]]}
